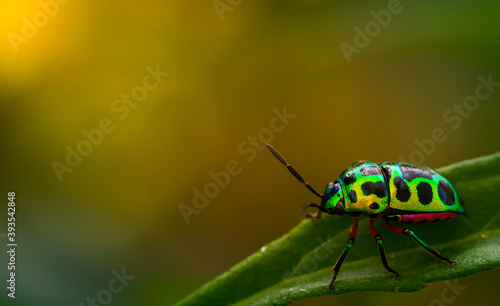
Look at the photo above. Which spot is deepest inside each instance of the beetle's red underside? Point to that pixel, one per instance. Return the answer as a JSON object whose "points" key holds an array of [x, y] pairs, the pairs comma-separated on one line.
{"points": [[419, 218]]}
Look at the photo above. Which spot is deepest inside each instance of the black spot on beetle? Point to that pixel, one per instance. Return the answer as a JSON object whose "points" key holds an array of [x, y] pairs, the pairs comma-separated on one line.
{"points": [[377, 189], [380, 190], [369, 170], [446, 193], [367, 188], [424, 192], [374, 206], [353, 196], [402, 191], [411, 172], [349, 179]]}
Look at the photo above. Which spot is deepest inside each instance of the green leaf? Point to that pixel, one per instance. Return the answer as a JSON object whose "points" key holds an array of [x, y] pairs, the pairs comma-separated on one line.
{"points": [[298, 265]]}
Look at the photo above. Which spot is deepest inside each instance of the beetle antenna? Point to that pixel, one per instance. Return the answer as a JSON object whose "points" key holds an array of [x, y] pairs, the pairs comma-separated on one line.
{"points": [[292, 170]]}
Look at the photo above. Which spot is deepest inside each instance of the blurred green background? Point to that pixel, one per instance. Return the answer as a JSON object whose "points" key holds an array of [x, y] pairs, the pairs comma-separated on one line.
{"points": [[229, 66]]}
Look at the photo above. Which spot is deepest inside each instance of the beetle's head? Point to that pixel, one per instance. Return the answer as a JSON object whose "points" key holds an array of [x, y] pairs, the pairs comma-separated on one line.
{"points": [[332, 201]]}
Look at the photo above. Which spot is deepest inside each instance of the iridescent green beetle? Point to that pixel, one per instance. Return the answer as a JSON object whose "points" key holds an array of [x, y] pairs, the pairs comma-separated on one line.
{"points": [[397, 192]]}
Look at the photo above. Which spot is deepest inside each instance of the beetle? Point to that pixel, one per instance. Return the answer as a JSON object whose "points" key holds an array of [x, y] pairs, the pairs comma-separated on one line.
{"points": [[391, 192]]}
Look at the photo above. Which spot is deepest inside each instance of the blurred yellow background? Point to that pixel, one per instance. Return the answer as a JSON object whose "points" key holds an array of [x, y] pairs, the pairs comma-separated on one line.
{"points": [[232, 66]]}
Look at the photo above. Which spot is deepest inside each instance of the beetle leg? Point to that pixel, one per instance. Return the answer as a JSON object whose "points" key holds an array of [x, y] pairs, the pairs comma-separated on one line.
{"points": [[316, 215], [378, 240], [350, 243], [309, 205], [408, 232]]}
